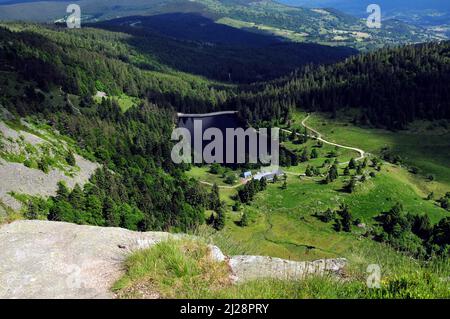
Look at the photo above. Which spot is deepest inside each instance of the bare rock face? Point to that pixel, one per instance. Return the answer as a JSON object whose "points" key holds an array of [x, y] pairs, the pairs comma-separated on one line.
{"points": [[40, 259], [255, 267], [17, 178]]}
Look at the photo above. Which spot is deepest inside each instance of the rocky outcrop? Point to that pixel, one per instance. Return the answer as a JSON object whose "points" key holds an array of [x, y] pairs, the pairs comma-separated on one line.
{"points": [[17, 178], [42, 259], [255, 267], [20, 179]]}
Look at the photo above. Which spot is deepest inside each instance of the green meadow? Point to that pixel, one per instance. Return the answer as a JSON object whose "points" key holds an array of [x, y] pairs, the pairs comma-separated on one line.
{"points": [[282, 221], [424, 145]]}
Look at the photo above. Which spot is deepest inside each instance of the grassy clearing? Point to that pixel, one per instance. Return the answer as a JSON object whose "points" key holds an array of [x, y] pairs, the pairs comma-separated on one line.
{"points": [[125, 101], [282, 222], [183, 269], [424, 146], [283, 225], [203, 174]]}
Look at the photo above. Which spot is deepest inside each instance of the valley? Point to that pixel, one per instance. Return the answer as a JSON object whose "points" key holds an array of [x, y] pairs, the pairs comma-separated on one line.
{"points": [[87, 173], [283, 222]]}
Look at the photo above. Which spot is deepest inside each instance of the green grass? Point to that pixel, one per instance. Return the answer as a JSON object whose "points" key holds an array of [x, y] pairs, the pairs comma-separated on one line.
{"points": [[423, 147], [184, 269], [172, 269], [125, 101], [282, 222], [202, 174], [284, 226]]}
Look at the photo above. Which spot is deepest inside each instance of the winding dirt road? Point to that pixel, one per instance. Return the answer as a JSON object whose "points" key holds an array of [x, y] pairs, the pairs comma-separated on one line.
{"points": [[221, 186], [318, 136]]}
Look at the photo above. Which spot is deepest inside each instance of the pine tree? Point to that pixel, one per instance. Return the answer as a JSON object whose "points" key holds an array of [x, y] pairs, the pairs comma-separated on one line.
{"points": [[304, 157], [244, 220], [219, 222], [346, 171], [365, 162], [211, 220], [214, 197], [70, 159], [333, 173], [359, 170], [351, 185], [352, 164], [76, 197], [346, 218], [263, 184], [62, 194], [309, 171], [110, 213]]}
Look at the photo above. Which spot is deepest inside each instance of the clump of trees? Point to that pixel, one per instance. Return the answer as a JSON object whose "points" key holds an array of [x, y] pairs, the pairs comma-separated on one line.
{"points": [[247, 192], [332, 175], [342, 218], [413, 234]]}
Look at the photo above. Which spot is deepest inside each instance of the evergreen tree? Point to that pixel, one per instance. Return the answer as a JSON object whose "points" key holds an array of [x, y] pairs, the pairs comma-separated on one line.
{"points": [[244, 220], [110, 215], [359, 170], [214, 197], [333, 173], [219, 222], [352, 164], [304, 157], [70, 159], [76, 197], [346, 218], [346, 171], [62, 193], [309, 172], [351, 185]]}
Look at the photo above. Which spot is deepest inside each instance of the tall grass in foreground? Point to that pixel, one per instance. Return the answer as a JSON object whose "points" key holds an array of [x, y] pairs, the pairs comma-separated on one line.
{"points": [[184, 269]]}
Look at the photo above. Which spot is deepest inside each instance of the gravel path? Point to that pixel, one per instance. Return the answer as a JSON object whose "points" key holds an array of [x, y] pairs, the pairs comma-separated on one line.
{"points": [[318, 136]]}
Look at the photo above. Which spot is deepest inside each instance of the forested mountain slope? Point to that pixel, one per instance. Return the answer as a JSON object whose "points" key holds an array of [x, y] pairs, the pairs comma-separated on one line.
{"points": [[51, 77], [51, 74], [390, 88], [195, 44]]}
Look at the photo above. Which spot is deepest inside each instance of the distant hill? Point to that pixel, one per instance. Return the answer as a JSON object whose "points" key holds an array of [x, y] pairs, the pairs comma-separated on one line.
{"points": [[434, 15], [358, 7], [390, 87], [325, 26]]}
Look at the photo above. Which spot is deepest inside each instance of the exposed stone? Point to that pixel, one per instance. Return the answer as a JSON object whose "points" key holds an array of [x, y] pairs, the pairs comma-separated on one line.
{"points": [[42, 259], [216, 254], [254, 267], [18, 178]]}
